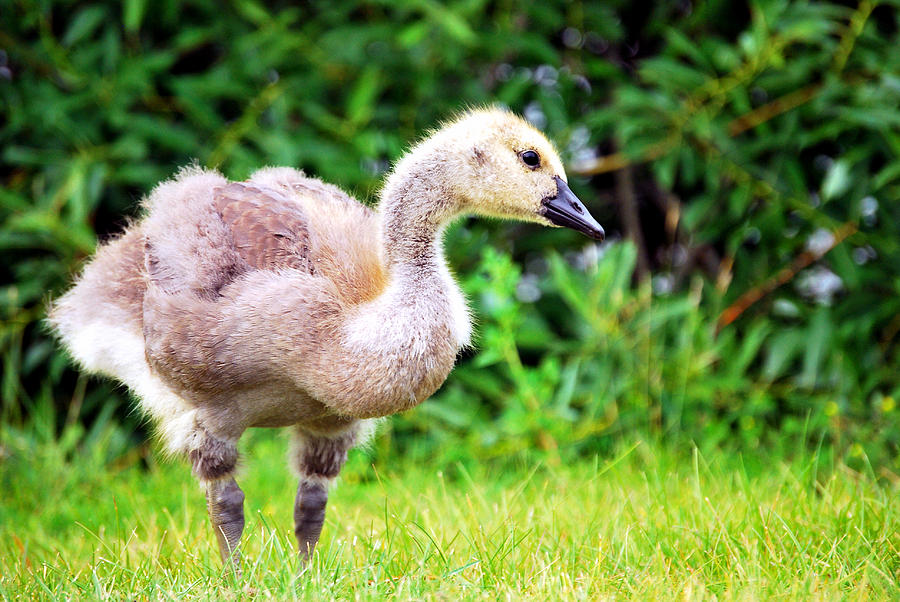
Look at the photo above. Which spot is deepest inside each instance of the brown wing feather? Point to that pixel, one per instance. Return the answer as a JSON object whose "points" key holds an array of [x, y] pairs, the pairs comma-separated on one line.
{"points": [[270, 231]]}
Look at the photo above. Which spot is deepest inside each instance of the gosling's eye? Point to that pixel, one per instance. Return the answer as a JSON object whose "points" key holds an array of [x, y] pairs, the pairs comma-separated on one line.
{"points": [[531, 159]]}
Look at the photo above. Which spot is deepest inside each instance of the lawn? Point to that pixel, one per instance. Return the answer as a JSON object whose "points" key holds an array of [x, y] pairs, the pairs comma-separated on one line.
{"points": [[647, 522]]}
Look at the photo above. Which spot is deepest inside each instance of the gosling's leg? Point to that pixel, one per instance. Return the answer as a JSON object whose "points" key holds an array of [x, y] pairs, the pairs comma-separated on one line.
{"points": [[225, 504], [318, 460], [309, 514], [214, 462]]}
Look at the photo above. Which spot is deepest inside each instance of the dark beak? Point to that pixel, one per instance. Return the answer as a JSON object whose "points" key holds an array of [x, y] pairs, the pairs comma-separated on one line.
{"points": [[566, 210]]}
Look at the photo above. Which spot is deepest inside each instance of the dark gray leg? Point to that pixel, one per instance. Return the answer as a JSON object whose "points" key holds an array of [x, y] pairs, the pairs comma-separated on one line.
{"points": [[318, 460], [214, 462], [309, 515], [225, 504]]}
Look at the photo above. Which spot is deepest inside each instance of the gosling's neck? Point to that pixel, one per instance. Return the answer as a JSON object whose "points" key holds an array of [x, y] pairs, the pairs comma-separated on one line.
{"points": [[415, 206]]}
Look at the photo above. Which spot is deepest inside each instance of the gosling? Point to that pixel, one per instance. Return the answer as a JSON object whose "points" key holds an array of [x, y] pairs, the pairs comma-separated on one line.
{"points": [[282, 302]]}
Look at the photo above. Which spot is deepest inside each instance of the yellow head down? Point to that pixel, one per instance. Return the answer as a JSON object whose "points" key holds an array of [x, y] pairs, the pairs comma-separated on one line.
{"points": [[496, 164]]}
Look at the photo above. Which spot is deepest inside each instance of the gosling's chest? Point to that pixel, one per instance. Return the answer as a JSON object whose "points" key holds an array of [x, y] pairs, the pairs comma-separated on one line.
{"points": [[412, 320], [395, 356]]}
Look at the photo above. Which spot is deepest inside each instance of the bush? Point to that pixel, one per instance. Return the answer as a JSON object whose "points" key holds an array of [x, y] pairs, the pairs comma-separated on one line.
{"points": [[748, 151]]}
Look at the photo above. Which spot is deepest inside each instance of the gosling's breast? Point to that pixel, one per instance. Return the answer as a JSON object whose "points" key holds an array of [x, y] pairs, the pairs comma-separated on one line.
{"points": [[410, 321]]}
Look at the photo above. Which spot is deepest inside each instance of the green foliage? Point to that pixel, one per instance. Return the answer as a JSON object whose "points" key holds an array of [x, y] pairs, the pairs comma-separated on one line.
{"points": [[595, 358], [756, 145]]}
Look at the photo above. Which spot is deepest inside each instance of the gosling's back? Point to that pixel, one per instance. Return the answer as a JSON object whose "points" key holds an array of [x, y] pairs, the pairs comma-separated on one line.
{"points": [[200, 235]]}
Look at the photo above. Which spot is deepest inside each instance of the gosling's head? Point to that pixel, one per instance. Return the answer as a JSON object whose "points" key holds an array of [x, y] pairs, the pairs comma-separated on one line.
{"points": [[498, 165]]}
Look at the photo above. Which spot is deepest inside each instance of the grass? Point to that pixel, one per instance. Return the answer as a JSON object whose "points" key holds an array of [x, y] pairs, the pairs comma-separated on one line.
{"points": [[84, 522]]}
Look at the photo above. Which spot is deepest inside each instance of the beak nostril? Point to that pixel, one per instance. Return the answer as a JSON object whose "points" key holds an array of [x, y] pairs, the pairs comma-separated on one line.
{"points": [[577, 207]]}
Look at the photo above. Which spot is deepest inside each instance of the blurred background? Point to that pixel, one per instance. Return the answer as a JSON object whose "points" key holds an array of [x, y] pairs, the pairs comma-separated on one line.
{"points": [[743, 158]]}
